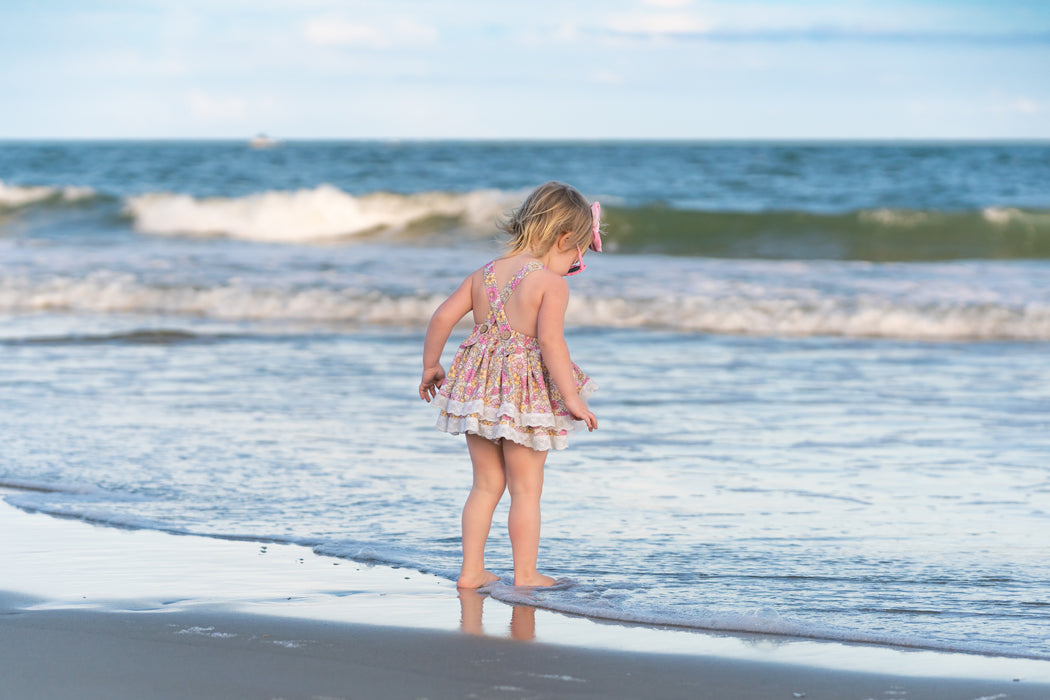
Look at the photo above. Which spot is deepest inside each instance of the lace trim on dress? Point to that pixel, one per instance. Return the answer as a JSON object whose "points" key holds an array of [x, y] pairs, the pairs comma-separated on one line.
{"points": [[541, 442], [545, 420]]}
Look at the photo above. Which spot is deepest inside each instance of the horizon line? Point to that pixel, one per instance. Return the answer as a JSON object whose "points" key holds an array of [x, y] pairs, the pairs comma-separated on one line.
{"points": [[536, 139]]}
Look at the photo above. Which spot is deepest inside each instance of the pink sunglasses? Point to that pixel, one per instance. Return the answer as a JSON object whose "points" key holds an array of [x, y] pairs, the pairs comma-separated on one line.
{"points": [[596, 241]]}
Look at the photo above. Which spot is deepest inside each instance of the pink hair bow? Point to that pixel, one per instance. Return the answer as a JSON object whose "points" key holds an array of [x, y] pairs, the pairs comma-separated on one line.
{"points": [[596, 234]]}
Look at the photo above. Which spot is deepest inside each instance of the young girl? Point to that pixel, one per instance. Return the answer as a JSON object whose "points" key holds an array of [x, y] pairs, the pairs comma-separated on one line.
{"points": [[512, 387]]}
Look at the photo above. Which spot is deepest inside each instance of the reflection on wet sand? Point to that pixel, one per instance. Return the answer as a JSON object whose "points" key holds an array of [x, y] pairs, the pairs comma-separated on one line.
{"points": [[472, 607]]}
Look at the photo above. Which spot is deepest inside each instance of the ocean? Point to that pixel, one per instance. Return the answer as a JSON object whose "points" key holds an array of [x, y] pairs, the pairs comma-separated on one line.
{"points": [[825, 368]]}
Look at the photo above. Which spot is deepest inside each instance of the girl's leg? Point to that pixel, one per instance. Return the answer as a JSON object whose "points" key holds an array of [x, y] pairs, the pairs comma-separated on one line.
{"points": [[489, 483], [525, 482]]}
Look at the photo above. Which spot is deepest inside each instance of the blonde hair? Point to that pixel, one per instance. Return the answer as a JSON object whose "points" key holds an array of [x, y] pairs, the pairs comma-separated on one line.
{"points": [[550, 210]]}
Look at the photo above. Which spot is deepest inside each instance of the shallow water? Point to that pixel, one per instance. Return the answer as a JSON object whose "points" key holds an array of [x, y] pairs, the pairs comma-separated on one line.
{"points": [[835, 448], [861, 490]]}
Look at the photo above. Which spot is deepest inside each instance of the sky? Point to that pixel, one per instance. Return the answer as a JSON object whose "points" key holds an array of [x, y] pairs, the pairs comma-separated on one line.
{"points": [[484, 69]]}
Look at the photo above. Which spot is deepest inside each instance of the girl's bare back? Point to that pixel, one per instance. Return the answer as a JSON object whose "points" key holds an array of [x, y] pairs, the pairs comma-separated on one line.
{"points": [[523, 306]]}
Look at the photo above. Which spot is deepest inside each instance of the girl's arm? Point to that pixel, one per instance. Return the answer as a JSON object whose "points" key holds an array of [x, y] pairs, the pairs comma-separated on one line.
{"points": [[550, 330], [440, 327]]}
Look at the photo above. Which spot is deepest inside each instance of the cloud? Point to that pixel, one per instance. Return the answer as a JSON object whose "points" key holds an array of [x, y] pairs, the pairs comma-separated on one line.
{"points": [[668, 3], [683, 26], [1024, 106], [216, 109], [660, 25], [763, 21], [333, 31], [567, 31], [336, 32], [1019, 105], [606, 77]]}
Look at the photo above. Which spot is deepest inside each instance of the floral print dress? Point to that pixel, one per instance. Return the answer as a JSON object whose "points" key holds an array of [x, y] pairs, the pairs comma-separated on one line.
{"points": [[498, 386]]}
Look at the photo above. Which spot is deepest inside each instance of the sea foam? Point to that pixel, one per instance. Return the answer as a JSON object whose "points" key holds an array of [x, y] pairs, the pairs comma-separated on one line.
{"points": [[313, 215], [722, 312], [15, 196]]}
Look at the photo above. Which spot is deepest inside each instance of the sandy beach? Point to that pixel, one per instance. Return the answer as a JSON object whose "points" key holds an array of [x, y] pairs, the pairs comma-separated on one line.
{"points": [[98, 612], [212, 654], [816, 300]]}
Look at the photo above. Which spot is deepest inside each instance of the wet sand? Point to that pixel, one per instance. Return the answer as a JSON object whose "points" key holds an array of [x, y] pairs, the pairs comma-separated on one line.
{"points": [[96, 612]]}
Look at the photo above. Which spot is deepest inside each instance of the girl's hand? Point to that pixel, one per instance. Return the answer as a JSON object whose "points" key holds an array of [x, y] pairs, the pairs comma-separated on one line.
{"points": [[578, 408], [433, 377]]}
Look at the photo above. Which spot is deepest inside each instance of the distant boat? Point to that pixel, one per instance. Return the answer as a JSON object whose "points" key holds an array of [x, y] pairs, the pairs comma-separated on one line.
{"points": [[262, 141]]}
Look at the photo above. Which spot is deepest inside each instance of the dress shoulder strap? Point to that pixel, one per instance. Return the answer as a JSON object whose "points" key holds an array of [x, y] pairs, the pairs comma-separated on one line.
{"points": [[497, 300], [491, 291], [511, 285]]}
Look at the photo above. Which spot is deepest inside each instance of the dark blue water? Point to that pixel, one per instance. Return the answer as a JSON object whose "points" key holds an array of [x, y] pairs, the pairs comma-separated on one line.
{"points": [[744, 177]]}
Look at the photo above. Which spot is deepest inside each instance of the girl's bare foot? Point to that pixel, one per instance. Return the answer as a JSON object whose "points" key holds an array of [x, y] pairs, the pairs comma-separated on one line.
{"points": [[476, 580], [534, 581]]}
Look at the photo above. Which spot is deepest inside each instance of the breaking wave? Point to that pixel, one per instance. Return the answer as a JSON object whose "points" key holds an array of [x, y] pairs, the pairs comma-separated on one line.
{"points": [[725, 313], [18, 196], [878, 235], [882, 235], [324, 213], [327, 214]]}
